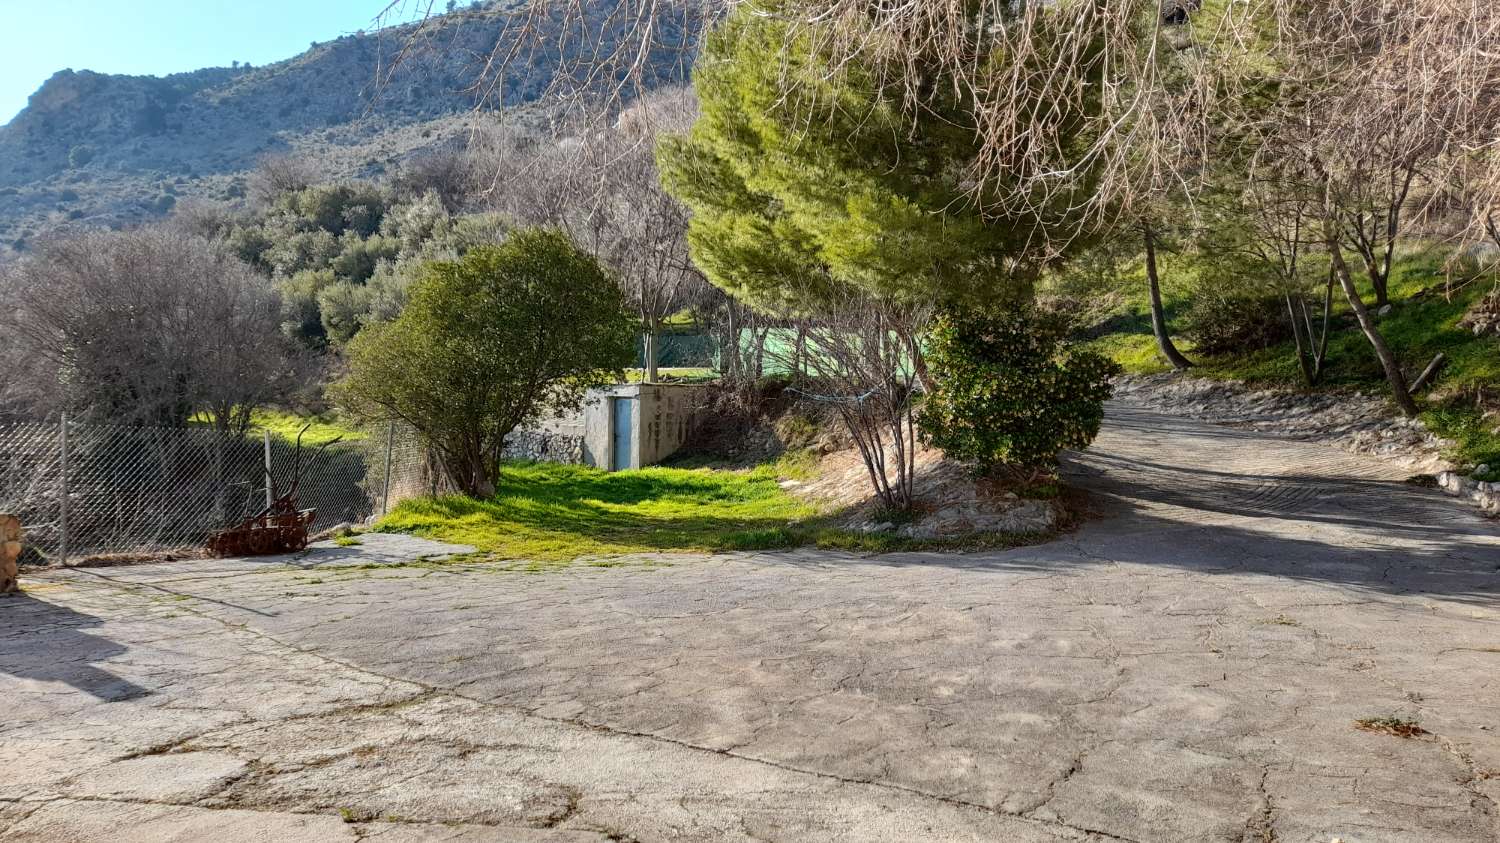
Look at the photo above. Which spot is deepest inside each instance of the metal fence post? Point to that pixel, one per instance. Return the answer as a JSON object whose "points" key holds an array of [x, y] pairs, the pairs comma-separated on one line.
{"points": [[269, 495], [62, 496], [390, 442]]}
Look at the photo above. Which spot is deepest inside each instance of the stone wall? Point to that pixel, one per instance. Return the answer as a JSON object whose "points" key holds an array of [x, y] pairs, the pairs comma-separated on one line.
{"points": [[544, 446], [1486, 496]]}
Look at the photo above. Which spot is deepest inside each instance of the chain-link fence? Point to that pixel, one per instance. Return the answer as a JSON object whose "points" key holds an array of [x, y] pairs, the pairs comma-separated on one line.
{"points": [[92, 490]]}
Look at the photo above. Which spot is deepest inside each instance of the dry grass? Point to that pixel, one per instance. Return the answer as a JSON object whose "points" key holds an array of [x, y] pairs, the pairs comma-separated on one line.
{"points": [[1397, 726]]}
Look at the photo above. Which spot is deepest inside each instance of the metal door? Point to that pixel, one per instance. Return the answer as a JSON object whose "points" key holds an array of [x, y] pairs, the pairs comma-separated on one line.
{"points": [[622, 438]]}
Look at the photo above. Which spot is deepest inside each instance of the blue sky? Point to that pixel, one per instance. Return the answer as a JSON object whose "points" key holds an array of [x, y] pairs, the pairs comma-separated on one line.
{"points": [[156, 37]]}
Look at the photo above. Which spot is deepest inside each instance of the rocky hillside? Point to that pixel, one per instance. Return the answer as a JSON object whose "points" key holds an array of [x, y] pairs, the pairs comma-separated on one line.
{"points": [[95, 149]]}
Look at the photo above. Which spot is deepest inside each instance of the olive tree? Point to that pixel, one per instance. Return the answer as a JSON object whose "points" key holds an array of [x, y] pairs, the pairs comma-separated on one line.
{"points": [[487, 343]]}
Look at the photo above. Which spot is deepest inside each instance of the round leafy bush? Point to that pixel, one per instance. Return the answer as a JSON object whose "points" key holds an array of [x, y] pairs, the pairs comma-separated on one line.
{"points": [[501, 337], [1008, 395], [1230, 321]]}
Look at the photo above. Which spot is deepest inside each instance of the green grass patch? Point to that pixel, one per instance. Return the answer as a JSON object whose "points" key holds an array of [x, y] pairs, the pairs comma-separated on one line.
{"points": [[546, 512], [324, 427], [1476, 440], [675, 374], [547, 516], [1136, 353], [1422, 323]]}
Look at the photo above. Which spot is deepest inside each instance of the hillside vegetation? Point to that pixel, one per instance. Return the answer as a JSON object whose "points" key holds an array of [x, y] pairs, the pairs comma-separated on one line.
{"points": [[98, 149], [1427, 317]]}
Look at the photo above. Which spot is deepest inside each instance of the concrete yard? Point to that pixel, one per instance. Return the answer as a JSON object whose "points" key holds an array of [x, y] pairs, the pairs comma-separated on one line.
{"points": [[1188, 666]]}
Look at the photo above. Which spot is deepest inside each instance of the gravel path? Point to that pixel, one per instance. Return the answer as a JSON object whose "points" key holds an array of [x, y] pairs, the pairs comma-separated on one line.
{"points": [[1189, 666]]}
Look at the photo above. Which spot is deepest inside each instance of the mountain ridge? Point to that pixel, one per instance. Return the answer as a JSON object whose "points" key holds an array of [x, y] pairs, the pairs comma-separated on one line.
{"points": [[95, 149]]}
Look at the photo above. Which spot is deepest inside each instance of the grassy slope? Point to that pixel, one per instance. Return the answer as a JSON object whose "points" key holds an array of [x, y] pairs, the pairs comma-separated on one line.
{"points": [[1423, 323], [324, 428], [285, 426]]}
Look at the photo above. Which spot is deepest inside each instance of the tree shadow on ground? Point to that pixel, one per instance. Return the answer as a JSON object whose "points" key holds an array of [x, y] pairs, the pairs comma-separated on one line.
{"points": [[1469, 574], [1374, 536], [1179, 495], [45, 642]]}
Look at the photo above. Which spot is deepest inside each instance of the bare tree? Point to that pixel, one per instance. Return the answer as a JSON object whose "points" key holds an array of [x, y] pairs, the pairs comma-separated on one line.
{"points": [[147, 327], [443, 172], [1369, 95], [740, 334], [604, 190], [275, 175], [1375, 224], [863, 362], [1277, 207]]}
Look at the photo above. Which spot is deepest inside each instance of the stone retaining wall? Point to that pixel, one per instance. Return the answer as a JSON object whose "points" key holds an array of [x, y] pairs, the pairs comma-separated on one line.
{"points": [[544, 446]]}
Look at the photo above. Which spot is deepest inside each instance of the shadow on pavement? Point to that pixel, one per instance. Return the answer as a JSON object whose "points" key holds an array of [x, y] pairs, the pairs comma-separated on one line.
{"points": [[1381, 536], [46, 642]]}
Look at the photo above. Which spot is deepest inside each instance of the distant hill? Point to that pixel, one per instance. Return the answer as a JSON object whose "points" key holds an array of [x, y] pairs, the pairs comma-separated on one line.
{"points": [[97, 149]]}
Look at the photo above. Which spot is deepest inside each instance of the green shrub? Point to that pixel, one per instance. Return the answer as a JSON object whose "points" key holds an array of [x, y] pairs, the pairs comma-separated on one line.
{"points": [[1008, 396], [1225, 320], [488, 343]]}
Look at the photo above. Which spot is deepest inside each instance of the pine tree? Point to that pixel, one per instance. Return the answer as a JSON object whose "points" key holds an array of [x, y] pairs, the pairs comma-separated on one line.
{"points": [[802, 177]]}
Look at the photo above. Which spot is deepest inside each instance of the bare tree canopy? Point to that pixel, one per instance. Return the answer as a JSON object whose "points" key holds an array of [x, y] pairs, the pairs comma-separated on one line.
{"points": [[1157, 80], [149, 326], [602, 187]]}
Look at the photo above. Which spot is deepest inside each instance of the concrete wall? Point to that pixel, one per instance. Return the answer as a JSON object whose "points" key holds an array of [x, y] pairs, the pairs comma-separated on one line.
{"points": [[661, 420], [664, 420]]}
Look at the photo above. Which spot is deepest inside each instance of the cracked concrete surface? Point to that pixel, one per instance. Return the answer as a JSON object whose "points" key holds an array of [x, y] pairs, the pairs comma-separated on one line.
{"points": [[1189, 666]]}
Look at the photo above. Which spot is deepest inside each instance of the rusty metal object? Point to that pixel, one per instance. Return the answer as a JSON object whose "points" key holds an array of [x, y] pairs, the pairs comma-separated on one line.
{"points": [[279, 528]]}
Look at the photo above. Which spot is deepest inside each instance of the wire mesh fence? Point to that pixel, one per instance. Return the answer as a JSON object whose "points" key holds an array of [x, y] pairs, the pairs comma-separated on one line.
{"points": [[92, 490]]}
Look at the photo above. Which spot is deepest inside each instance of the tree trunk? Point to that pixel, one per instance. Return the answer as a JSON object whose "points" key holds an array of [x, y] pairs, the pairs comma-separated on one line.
{"points": [[1380, 283], [1393, 374], [1158, 315], [471, 471], [1304, 356], [653, 333], [1322, 357]]}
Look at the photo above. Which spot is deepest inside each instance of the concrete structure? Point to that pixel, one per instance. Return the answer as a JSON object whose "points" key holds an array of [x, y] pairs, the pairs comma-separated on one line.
{"points": [[635, 425], [631, 425]]}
